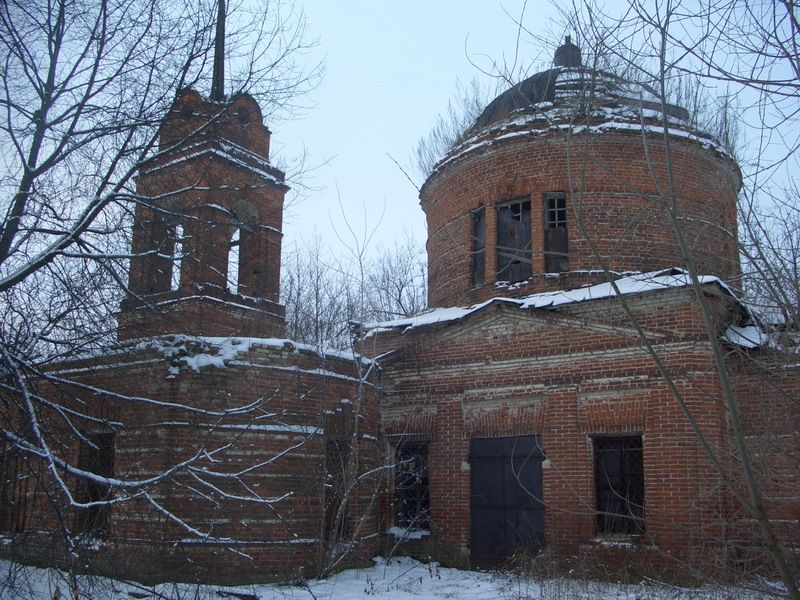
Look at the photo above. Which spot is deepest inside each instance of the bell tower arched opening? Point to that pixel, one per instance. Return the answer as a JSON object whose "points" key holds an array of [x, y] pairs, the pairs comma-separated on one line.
{"points": [[232, 272]]}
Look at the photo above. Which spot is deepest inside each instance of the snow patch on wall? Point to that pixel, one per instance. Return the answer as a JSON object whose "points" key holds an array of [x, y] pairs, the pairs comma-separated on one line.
{"points": [[407, 534], [250, 427]]}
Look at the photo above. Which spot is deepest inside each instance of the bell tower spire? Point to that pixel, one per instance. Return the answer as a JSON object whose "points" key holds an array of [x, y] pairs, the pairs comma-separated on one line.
{"points": [[218, 76]]}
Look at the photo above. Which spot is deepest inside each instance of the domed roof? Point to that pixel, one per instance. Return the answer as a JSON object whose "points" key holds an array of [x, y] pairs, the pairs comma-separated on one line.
{"points": [[534, 90], [566, 81]]}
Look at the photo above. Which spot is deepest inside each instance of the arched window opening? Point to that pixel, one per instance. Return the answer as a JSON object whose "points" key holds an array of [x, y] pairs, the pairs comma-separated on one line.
{"points": [[233, 261], [176, 233]]}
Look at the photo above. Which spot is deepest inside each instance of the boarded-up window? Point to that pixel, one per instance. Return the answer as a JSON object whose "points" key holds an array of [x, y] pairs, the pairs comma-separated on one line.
{"points": [[412, 502], [479, 247], [514, 241], [555, 233], [619, 484], [96, 457]]}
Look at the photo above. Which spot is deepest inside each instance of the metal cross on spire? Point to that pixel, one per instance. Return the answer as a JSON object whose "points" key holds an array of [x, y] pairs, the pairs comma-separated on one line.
{"points": [[218, 76]]}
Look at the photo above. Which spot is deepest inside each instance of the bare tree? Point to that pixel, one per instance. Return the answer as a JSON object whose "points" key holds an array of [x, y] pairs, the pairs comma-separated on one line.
{"points": [[85, 86], [467, 103], [328, 295], [770, 247], [323, 293], [750, 52], [315, 296], [397, 281]]}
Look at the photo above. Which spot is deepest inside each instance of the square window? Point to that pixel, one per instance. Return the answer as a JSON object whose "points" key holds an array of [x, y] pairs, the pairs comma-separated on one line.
{"points": [[555, 211]]}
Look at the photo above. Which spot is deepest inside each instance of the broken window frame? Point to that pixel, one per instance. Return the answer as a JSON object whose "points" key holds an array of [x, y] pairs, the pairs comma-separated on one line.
{"points": [[556, 238], [411, 486], [514, 241], [478, 272], [619, 484]]}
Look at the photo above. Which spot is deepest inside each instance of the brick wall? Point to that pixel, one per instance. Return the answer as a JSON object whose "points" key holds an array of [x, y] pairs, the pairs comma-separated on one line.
{"points": [[567, 374], [243, 428], [767, 386], [617, 194], [163, 412]]}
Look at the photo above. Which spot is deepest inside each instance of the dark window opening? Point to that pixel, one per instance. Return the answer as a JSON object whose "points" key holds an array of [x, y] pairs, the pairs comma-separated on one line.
{"points": [[479, 247], [556, 249], [619, 485], [514, 241], [338, 455], [14, 494], [412, 500], [97, 457]]}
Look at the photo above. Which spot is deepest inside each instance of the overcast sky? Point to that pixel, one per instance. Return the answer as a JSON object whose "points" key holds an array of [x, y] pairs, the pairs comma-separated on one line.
{"points": [[391, 68]]}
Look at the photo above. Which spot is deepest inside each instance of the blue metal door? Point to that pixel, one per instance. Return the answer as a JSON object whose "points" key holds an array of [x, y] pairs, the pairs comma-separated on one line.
{"points": [[505, 498]]}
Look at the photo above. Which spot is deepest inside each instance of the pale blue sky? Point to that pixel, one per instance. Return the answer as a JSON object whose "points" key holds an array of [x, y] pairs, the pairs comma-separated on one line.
{"points": [[391, 68]]}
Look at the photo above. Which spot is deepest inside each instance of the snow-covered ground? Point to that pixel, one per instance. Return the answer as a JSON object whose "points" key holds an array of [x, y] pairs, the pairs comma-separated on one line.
{"points": [[396, 579]]}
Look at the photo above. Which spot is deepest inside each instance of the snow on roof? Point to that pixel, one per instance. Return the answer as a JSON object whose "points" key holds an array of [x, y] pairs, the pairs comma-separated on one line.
{"points": [[234, 153], [197, 352], [545, 117], [632, 284], [248, 160], [749, 336], [206, 297]]}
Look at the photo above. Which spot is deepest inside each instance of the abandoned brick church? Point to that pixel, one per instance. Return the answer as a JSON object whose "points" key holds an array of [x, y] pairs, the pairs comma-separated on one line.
{"points": [[561, 393]]}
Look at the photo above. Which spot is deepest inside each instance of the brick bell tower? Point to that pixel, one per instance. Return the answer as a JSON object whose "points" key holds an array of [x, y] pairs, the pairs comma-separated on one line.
{"points": [[206, 248]]}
